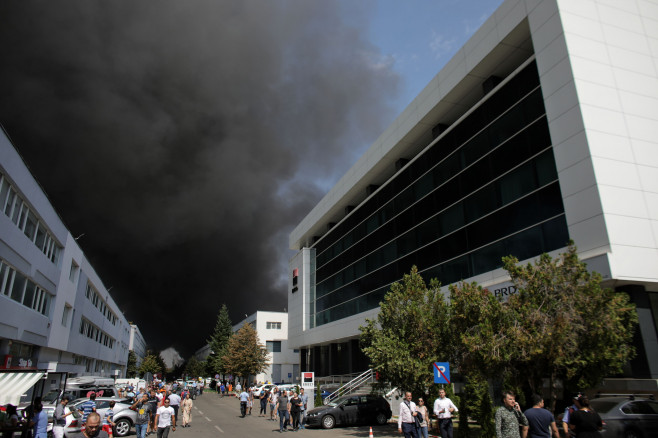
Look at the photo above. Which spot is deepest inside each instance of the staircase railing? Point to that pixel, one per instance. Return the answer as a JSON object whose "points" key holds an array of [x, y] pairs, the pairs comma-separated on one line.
{"points": [[351, 386]]}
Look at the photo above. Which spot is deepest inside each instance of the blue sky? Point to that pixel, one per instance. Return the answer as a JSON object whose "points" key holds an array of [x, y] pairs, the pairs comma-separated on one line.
{"points": [[420, 36]]}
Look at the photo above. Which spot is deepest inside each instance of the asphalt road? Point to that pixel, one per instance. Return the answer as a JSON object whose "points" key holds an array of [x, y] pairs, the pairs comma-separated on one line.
{"points": [[216, 417]]}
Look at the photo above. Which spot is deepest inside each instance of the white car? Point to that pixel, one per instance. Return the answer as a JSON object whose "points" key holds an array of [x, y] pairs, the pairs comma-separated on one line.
{"points": [[261, 389]]}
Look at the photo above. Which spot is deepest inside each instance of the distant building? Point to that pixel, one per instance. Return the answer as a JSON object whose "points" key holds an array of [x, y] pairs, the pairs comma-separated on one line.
{"points": [[272, 329], [55, 312], [202, 353], [137, 344], [542, 128]]}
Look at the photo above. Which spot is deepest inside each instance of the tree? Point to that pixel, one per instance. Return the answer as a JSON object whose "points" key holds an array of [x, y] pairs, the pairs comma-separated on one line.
{"points": [[485, 332], [218, 342], [151, 364], [193, 368], [245, 356], [410, 333], [570, 329], [131, 366]]}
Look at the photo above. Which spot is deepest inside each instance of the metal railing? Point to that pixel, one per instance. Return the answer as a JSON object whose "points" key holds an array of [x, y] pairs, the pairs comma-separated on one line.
{"points": [[352, 385]]}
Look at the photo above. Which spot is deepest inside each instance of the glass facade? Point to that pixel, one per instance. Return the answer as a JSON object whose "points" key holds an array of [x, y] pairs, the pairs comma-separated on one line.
{"points": [[486, 189]]}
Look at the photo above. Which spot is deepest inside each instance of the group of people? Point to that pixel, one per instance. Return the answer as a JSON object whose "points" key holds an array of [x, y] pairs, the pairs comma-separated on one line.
{"points": [[290, 406], [536, 422]]}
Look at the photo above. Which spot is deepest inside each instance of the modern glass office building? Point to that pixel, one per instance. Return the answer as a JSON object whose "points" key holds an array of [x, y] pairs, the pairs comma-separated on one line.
{"points": [[538, 131]]}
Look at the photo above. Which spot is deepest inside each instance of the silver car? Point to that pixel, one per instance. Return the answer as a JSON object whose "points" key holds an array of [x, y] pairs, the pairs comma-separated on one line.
{"points": [[124, 417]]}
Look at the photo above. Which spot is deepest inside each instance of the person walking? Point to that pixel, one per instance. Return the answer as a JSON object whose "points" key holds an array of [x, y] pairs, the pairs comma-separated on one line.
{"points": [[59, 417], [295, 410], [283, 408], [423, 426], [165, 419], [264, 399], [244, 400], [92, 428], [174, 402], [88, 407], [274, 398], [540, 421], [568, 412], [108, 420], [40, 422], [585, 423], [443, 409], [143, 417], [304, 397], [509, 417], [186, 406], [407, 417]]}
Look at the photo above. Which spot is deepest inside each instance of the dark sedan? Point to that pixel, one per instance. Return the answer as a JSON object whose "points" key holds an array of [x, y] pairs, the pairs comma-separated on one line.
{"points": [[349, 410], [627, 417]]}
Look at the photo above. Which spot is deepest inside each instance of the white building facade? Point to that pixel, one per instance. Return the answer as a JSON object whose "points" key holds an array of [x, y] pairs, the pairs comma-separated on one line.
{"points": [[137, 344], [542, 128], [55, 312], [272, 330]]}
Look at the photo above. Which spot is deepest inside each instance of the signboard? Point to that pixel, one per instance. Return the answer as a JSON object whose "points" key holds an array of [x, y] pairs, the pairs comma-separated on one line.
{"points": [[441, 372], [308, 379]]}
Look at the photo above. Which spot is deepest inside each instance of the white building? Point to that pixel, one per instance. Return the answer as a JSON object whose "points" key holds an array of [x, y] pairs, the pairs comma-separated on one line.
{"points": [[272, 330], [55, 312], [137, 344], [542, 128]]}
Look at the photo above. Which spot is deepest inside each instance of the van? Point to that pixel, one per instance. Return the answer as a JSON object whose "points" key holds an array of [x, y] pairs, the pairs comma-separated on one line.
{"points": [[82, 387]]}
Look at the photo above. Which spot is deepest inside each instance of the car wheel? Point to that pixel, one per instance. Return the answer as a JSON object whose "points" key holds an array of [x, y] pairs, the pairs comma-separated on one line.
{"points": [[381, 419], [328, 422], [122, 427]]}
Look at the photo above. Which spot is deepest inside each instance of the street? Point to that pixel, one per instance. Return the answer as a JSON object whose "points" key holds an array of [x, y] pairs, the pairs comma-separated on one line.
{"points": [[213, 416]]}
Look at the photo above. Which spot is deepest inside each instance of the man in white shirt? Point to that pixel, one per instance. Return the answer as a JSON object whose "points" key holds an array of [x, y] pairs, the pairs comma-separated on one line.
{"points": [[443, 409], [164, 418], [406, 420], [174, 402]]}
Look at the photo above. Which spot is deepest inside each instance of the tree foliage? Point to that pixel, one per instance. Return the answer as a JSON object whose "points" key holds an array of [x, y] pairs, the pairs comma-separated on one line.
{"points": [[194, 368], [245, 355], [570, 328], [409, 334], [218, 342], [131, 366], [151, 364]]}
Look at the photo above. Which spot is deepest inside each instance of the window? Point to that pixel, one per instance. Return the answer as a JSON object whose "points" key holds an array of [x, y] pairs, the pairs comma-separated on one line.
{"points": [[274, 346], [65, 315], [273, 325], [74, 271]]}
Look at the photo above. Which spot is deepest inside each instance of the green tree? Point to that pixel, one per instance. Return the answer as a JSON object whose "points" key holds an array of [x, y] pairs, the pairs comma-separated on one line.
{"points": [[151, 364], [484, 332], [193, 368], [218, 342], [562, 334], [245, 355], [410, 333], [131, 366]]}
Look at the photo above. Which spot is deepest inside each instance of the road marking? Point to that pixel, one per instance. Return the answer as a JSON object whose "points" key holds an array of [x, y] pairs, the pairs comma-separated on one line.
{"points": [[217, 427], [199, 411], [208, 419]]}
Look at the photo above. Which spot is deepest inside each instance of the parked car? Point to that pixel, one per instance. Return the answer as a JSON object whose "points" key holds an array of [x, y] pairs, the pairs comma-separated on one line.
{"points": [[261, 389], [124, 417], [627, 417], [349, 410], [73, 421]]}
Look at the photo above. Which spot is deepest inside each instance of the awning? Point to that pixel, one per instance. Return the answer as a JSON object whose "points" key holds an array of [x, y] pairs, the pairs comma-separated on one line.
{"points": [[13, 384]]}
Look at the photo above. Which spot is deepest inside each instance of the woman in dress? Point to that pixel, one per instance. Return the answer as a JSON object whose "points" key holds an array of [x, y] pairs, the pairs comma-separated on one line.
{"points": [[187, 410], [422, 431], [584, 422]]}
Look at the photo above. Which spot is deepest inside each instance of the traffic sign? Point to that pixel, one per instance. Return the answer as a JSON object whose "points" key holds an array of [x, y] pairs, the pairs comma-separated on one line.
{"points": [[441, 372]]}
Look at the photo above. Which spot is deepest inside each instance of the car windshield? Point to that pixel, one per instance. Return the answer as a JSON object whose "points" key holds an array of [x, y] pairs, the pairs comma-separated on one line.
{"points": [[603, 406], [51, 397]]}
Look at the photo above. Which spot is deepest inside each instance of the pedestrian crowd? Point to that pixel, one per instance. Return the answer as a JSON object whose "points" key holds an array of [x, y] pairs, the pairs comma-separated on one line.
{"points": [[289, 406], [579, 420]]}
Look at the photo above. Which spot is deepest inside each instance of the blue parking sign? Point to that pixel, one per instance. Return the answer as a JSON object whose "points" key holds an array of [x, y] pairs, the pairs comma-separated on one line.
{"points": [[441, 372]]}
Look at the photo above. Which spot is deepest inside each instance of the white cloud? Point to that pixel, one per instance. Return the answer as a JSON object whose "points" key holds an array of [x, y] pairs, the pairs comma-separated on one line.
{"points": [[440, 45]]}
